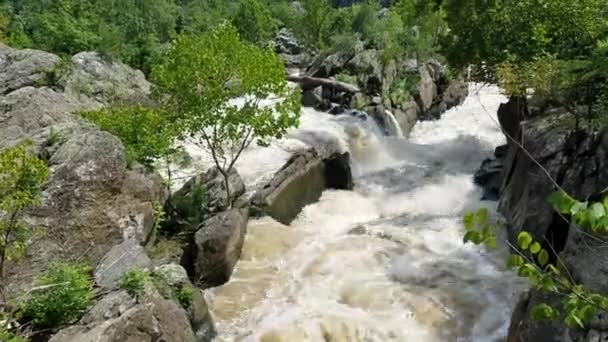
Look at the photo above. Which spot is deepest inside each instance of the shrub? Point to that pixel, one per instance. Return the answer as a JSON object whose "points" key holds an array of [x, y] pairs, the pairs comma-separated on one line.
{"points": [[254, 22], [7, 336], [61, 295], [134, 282], [146, 133], [184, 295]]}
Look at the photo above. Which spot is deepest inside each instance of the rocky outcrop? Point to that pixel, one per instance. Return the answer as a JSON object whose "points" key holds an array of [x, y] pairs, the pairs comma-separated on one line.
{"points": [[216, 248], [92, 201], [117, 318], [383, 87], [291, 51], [576, 161], [300, 182]]}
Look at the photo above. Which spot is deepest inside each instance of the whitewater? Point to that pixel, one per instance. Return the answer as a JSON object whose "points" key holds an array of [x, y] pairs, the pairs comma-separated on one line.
{"points": [[384, 262]]}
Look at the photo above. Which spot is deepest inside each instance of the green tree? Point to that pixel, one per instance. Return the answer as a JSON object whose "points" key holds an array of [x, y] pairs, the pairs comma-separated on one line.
{"points": [[200, 79], [254, 22], [313, 22], [21, 178]]}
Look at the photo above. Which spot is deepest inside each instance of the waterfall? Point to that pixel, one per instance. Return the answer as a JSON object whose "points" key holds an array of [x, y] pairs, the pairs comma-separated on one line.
{"points": [[386, 261]]}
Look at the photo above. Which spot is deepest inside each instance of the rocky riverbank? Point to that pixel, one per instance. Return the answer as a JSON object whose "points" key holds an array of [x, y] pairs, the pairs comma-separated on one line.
{"points": [[576, 161], [396, 95]]}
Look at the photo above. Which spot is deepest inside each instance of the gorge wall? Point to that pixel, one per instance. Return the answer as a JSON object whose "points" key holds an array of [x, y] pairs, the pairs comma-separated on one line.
{"points": [[575, 161]]}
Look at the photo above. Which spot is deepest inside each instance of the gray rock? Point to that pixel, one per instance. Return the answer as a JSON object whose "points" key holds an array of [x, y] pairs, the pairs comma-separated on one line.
{"points": [[105, 81], [312, 98], [286, 42], [153, 319], [367, 66], [406, 115], [181, 213], [202, 322], [113, 305], [24, 68], [91, 197], [173, 274], [119, 260], [217, 247], [300, 182]]}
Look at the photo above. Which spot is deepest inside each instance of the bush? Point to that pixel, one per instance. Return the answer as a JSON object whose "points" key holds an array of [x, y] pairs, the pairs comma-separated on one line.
{"points": [[147, 134], [7, 336], [60, 296], [134, 282]]}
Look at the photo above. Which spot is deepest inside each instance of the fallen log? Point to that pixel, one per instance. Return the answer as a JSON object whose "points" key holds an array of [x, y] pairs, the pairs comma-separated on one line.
{"points": [[308, 83]]}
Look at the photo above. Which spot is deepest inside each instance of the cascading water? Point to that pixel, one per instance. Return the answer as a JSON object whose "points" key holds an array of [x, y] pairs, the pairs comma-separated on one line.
{"points": [[386, 261]]}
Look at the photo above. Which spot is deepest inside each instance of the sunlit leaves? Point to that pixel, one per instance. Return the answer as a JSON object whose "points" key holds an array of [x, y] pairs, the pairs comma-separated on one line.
{"points": [[524, 239], [479, 229]]}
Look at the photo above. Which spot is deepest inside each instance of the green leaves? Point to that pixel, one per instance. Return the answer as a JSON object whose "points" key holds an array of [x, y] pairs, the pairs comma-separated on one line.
{"points": [[478, 229], [524, 239], [22, 176], [146, 133], [543, 312], [62, 295]]}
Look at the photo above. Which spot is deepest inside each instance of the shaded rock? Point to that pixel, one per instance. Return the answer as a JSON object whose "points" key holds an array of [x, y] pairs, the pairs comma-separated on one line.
{"points": [[488, 177], [111, 306], [119, 260], [367, 66], [286, 42], [338, 173], [337, 109], [312, 98], [216, 248], [24, 68], [202, 323], [153, 319], [185, 210], [300, 182], [326, 66]]}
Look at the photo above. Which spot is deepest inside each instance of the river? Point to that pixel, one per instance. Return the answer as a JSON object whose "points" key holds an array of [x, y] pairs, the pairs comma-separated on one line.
{"points": [[384, 262]]}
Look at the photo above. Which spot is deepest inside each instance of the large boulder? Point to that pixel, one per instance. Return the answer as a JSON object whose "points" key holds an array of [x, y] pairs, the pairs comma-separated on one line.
{"points": [[300, 182], [216, 248], [92, 200], [286, 42], [98, 77], [24, 68], [185, 210]]}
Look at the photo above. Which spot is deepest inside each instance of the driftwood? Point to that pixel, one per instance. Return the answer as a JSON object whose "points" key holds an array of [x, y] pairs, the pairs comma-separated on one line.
{"points": [[307, 83]]}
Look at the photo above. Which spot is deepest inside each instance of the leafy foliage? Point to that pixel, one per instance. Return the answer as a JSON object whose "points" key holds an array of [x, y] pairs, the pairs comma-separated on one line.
{"points": [[21, 178], [479, 229], [134, 282], [254, 22], [532, 261], [146, 133], [61, 295], [7, 336], [199, 78]]}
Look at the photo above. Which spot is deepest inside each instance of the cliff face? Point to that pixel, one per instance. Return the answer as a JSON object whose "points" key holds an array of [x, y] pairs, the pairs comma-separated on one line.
{"points": [[578, 162]]}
